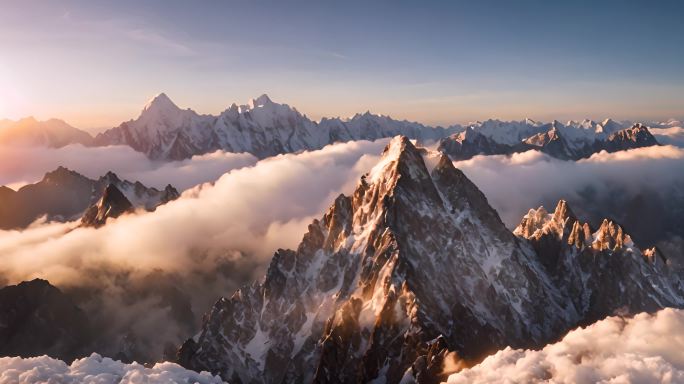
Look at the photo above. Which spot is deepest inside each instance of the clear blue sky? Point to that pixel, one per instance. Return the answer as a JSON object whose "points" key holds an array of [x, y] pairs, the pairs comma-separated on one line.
{"points": [[96, 63]]}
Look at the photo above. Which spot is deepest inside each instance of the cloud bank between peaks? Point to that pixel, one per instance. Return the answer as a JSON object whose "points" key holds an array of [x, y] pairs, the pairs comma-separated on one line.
{"points": [[644, 349]]}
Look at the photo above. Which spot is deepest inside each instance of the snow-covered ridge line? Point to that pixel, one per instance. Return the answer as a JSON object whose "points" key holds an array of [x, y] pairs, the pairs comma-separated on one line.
{"points": [[265, 128], [570, 141], [261, 127]]}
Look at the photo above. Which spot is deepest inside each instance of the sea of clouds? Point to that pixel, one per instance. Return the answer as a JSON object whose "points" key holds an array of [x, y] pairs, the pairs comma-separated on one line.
{"points": [[514, 184], [95, 369], [644, 349], [152, 275]]}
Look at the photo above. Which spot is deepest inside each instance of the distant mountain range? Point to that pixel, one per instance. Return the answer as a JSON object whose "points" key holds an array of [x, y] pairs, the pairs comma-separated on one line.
{"points": [[64, 195], [571, 141], [265, 128], [262, 127]]}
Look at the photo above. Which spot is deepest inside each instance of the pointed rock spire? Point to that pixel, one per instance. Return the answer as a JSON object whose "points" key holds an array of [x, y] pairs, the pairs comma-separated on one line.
{"points": [[563, 213], [112, 204], [610, 236]]}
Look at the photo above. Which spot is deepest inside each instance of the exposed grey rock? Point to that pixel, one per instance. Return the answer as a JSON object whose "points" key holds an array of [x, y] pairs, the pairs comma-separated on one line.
{"points": [[37, 319]]}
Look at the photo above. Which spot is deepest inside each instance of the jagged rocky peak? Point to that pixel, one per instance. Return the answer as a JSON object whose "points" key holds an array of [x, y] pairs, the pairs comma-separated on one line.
{"points": [[610, 236], [603, 273], [415, 255], [170, 193], [539, 222], [563, 225], [636, 136], [61, 175], [260, 101], [37, 318], [111, 178], [112, 204]]}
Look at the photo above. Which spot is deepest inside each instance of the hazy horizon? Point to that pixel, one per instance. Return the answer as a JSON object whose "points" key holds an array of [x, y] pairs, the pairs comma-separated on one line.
{"points": [[94, 64]]}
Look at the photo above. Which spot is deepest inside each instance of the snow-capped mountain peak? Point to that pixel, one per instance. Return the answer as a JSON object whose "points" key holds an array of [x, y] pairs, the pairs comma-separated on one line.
{"points": [[161, 102], [260, 101]]}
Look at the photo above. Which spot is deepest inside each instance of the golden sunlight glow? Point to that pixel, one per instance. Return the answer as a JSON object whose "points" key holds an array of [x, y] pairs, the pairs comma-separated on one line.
{"points": [[10, 96]]}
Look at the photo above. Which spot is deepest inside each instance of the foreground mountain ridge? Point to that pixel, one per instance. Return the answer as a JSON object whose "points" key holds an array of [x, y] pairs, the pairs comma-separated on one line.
{"points": [[410, 271]]}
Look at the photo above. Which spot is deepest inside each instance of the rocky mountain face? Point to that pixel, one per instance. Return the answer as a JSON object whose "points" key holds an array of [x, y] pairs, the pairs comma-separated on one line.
{"points": [[64, 195], [52, 133], [414, 269], [572, 141], [602, 269], [262, 127], [112, 204], [36, 319]]}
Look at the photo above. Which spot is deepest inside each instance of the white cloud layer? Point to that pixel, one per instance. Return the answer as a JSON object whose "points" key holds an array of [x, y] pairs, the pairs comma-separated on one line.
{"points": [[24, 165], [514, 184], [95, 369], [644, 349], [669, 136]]}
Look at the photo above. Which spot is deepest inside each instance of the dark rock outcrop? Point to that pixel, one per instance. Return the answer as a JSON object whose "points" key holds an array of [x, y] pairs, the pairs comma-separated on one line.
{"points": [[36, 319], [64, 195], [112, 204]]}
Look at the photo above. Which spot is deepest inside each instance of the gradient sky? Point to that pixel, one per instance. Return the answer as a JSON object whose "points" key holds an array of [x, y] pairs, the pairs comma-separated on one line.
{"points": [[96, 63]]}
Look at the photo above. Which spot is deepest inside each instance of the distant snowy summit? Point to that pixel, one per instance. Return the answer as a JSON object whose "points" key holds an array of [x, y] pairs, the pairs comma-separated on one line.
{"points": [[570, 141], [262, 127]]}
